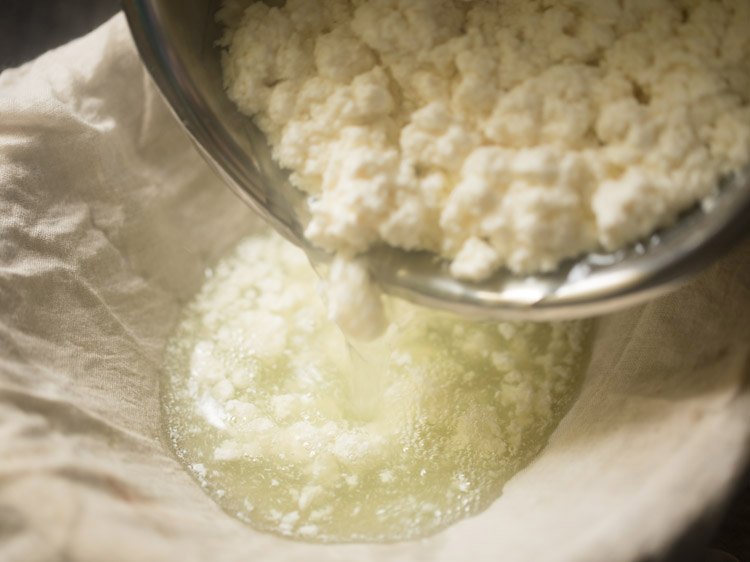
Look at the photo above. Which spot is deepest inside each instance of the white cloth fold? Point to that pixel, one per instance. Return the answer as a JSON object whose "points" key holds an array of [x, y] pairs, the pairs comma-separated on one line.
{"points": [[108, 218]]}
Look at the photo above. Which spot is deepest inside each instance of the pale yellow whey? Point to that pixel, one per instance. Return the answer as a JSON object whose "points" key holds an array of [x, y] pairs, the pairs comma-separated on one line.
{"points": [[293, 430]]}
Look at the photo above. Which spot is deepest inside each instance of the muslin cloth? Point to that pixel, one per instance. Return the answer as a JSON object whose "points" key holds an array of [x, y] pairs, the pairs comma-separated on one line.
{"points": [[108, 218]]}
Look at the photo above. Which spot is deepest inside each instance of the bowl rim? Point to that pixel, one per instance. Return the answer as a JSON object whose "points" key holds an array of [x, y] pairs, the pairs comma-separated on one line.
{"points": [[595, 284]]}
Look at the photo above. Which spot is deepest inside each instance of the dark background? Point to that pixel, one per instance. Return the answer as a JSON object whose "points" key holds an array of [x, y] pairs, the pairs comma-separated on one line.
{"points": [[31, 27]]}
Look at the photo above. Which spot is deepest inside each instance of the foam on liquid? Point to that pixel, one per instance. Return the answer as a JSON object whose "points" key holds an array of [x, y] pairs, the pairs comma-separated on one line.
{"points": [[292, 429]]}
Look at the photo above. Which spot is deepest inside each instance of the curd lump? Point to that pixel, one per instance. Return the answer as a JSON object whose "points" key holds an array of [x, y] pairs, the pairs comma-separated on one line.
{"points": [[495, 133], [292, 430]]}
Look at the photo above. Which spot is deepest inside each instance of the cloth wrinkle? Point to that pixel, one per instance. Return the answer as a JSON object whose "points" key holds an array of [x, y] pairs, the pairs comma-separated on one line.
{"points": [[108, 221], [69, 418]]}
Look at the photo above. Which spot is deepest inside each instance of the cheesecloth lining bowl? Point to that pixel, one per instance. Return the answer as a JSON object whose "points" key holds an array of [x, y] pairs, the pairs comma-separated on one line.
{"points": [[176, 39], [109, 221]]}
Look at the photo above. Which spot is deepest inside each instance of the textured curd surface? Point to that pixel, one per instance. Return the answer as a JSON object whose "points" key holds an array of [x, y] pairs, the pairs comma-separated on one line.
{"points": [[495, 132], [295, 432]]}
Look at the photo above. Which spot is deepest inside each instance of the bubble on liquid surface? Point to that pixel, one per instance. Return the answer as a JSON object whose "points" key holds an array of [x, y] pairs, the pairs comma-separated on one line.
{"points": [[295, 431]]}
